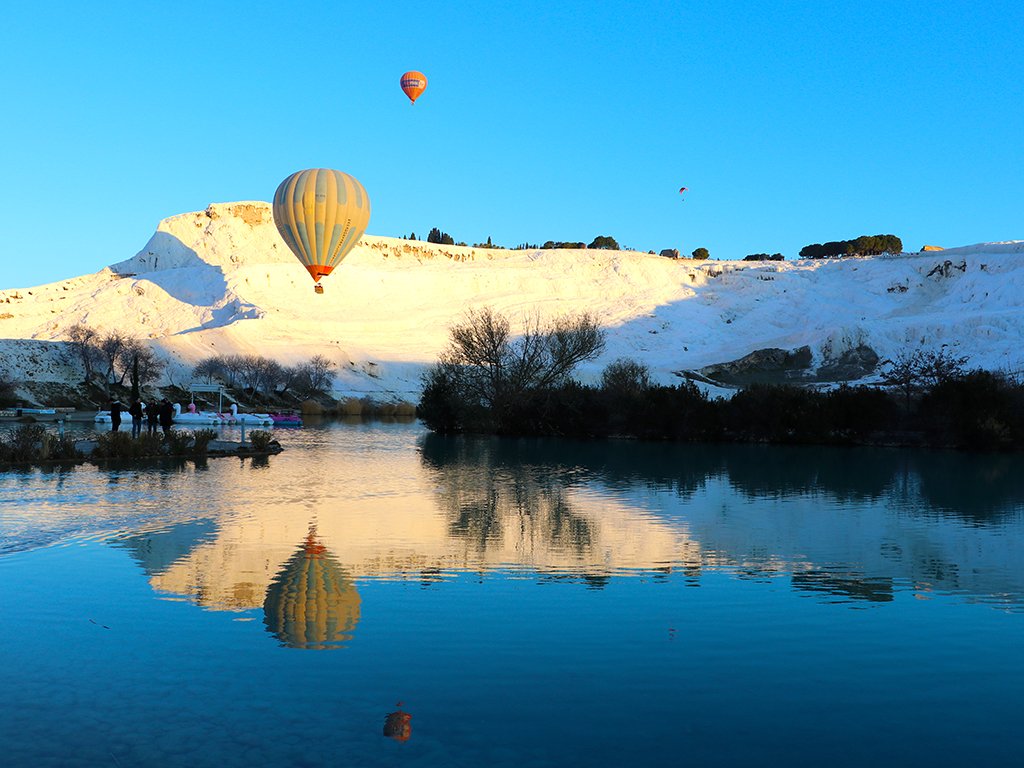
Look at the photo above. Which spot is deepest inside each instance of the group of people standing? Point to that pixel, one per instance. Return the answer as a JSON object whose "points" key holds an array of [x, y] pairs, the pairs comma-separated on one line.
{"points": [[155, 413]]}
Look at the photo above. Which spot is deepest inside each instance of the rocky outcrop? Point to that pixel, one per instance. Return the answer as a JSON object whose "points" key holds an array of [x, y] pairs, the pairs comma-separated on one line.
{"points": [[946, 268], [852, 364], [780, 366], [772, 365]]}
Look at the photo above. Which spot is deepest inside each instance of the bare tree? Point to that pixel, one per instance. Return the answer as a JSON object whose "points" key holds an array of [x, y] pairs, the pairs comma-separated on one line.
{"points": [[912, 371], [259, 374], [85, 343], [491, 365], [941, 366], [290, 377], [110, 347], [126, 357], [311, 378], [273, 374], [321, 373], [479, 350], [209, 368], [150, 367], [231, 368]]}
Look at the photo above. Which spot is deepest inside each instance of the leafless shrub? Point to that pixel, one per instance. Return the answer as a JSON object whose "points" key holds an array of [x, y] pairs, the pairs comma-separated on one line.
{"points": [[490, 365], [909, 372]]}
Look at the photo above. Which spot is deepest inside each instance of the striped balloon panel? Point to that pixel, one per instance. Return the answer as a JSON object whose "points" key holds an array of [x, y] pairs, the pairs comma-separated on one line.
{"points": [[321, 214], [311, 603]]}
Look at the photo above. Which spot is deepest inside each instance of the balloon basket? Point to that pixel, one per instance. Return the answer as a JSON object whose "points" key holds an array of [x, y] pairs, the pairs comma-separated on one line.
{"points": [[318, 288]]}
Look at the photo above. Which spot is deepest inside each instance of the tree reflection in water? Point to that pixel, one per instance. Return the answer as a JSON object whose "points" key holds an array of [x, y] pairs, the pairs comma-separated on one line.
{"points": [[898, 514], [487, 493], [973, 487]]}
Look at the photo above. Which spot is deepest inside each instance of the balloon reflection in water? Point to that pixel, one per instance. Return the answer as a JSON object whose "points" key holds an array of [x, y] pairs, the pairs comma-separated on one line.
{"points": [[398, 725], [311, 603]]}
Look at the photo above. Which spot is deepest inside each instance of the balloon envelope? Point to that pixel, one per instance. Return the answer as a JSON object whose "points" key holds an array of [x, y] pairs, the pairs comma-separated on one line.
{"points": [[398, 725], [414, 84], [311, 603], [321, 214]]}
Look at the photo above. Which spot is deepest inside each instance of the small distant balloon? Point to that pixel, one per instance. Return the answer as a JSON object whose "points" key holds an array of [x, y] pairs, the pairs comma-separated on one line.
{"points": [[414, 84]]}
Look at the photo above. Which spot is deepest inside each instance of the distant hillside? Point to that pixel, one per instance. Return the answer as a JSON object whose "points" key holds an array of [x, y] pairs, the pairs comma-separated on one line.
{"points": [[221, 281]]}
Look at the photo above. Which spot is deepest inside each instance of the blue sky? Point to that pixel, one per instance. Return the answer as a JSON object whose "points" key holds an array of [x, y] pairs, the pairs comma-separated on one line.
{"points": [[790, 122]]}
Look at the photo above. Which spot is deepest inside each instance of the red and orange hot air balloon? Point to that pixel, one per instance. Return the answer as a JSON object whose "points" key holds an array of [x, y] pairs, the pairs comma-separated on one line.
{"points": [[398, 725], [414, 84]]}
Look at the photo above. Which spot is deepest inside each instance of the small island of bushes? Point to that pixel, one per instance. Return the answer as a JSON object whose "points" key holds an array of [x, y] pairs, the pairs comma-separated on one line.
{"points": [[32, 444], [489, 381]]}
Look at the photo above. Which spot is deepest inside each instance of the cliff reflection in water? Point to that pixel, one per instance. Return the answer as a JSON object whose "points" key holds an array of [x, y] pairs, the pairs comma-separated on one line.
{"points": [[857, 526]]}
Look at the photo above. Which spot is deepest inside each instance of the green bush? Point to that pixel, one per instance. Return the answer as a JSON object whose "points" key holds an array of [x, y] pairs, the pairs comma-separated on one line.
{"points": [[979, 410], [865, 245], [775, 413], [446, 405], [31, 442], [626, 376], [178, 442], [439, 237], [121, 445], [604, 242], [851, 414], [56, 448], [25, 443], [115, 445], [260, 439], [149, 445], [202, 438], [552, 244]]}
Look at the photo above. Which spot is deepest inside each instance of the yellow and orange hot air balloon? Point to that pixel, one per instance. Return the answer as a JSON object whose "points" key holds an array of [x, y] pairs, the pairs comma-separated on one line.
{"points": [[414, 84], [321, 214], [312, 603]]}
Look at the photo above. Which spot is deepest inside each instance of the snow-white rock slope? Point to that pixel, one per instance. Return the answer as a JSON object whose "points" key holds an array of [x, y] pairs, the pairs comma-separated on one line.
{"points": [[221, 281]]}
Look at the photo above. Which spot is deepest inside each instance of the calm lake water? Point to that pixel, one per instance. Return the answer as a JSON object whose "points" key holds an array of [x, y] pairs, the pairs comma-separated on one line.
{"points": [[515, 603]]}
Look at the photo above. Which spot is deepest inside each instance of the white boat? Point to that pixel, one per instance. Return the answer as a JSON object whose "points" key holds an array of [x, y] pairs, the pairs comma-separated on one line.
{"points": [[203, 418], [38, 414], [192, 417], [249, 419], [197, 418]]}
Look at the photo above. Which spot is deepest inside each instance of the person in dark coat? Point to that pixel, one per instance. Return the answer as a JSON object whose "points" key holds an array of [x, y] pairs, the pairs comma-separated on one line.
{"points": [[166, 414], [115, 414], [152, 417], [135, 409]]}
